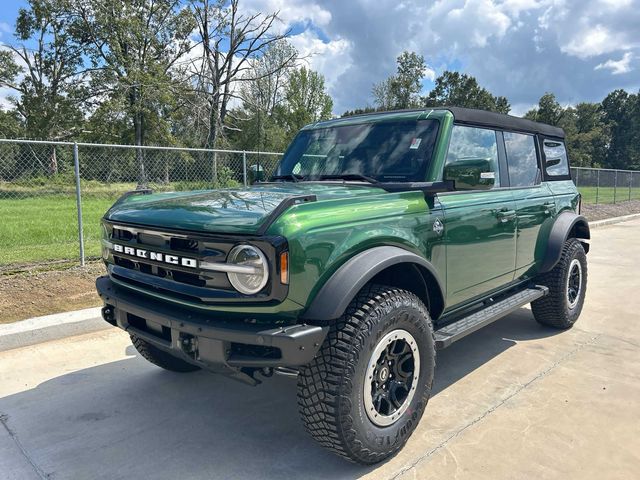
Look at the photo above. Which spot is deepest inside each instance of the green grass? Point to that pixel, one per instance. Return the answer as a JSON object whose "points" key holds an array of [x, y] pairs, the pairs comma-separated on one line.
{"points": [[37, 229], [606, 194]]}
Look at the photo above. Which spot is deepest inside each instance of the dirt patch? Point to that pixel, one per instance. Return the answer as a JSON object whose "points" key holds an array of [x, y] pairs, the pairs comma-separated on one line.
{"points": [[35, 293], [609, 210]]}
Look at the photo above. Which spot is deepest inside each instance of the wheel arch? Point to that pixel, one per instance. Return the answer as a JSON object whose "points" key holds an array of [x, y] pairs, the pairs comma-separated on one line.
{"points": [[567, 225], [387, 265]]}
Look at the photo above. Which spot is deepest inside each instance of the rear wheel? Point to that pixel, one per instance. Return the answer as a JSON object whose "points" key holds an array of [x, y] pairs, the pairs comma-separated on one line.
{"points": [[366, 390], [161, 358], [567, 284]]}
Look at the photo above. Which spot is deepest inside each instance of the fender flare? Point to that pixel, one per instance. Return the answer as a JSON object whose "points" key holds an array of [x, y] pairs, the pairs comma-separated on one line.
{"points": [[341, 288], [565, 224]]}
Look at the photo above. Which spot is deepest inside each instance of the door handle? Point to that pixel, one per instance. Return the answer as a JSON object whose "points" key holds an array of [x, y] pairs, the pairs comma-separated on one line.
{"points": [[549, 207], [506, 215]]}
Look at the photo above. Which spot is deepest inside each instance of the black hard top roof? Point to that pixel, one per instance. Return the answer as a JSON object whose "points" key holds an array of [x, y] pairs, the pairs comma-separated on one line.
{"points": [[500, 120], [470, 116]]}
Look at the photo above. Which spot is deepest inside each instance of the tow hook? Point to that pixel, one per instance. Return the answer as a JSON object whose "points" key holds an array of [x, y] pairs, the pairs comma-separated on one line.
{"points": [[108, 315], [189, 344]]}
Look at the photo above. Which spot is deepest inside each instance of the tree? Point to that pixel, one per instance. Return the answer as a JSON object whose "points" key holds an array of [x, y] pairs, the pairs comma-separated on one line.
{"points": [[402, 89], [135, 47], [358, 111], [230, 41], [621, 112], [10, 124], [46, 76], [548, 110], [262, 99], [462, 90], [587, 136], [306, 100]]}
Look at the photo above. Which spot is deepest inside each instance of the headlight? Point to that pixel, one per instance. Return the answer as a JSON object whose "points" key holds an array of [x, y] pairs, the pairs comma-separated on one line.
{"points": [[253, 271]]}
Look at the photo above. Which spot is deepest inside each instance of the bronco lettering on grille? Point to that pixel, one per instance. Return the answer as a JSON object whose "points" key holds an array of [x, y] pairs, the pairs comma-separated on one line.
{"points": [[156, 256]]}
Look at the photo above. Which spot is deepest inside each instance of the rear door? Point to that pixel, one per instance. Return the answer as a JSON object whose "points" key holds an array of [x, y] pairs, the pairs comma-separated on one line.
{"points": [[479, 225], [534, 201]]}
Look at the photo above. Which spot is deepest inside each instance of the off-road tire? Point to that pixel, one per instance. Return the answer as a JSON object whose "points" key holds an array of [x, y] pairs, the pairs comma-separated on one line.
{"points": [[330, 388], [554, 309], [161, 358]]}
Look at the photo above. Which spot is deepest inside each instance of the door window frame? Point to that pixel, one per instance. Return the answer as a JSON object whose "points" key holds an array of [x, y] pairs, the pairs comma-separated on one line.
{"points": [[503, 172], [540, 176]]}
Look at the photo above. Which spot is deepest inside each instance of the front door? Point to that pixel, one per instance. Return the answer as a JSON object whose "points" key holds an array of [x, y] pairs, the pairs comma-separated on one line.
{"points": [[479, 225]]}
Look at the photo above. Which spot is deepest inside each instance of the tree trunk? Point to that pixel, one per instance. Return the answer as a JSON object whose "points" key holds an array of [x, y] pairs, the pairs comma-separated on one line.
{"points": [[139, 136], [53, 161]]}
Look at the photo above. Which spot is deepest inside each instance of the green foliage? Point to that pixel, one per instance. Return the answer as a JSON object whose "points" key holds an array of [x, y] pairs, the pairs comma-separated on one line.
{"points": [[11, 125], [402, 89], [462, 90], [306, 100], [603, 134], [45, 76], [621, 111]]}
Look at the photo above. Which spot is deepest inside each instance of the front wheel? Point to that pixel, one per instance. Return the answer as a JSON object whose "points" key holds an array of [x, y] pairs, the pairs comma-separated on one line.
{"points": [[567, 284], [365, 391]]}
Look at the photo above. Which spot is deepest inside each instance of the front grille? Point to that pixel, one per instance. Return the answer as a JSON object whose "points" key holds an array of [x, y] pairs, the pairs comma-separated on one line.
{"points": [[171, 244], [183, 279]]}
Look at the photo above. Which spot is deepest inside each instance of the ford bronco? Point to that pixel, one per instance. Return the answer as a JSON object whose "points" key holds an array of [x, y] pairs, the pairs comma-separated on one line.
{"points": [[379, 239]]}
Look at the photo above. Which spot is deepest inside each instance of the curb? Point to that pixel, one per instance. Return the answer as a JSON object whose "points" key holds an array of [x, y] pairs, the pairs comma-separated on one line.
{"points": [[51, 327], [611, 221]]}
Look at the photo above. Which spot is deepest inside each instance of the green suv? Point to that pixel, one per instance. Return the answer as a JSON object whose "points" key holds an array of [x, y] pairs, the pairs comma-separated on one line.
{"points": [[379, 239]]}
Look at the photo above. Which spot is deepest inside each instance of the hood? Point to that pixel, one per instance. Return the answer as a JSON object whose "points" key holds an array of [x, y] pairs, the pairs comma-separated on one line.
{"points": [[223, 211]]}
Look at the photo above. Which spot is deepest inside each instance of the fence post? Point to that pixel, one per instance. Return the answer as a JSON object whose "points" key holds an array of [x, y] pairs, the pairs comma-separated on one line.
{"points": [[597, 185], [630, 182], [244, 168], [577, 176], [215, 170], [615, 186], [76, 168]]}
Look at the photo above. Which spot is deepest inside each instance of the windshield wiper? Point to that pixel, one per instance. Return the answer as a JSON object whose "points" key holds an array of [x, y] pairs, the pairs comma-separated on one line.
{"points": [[289, 176], [348, 176]]}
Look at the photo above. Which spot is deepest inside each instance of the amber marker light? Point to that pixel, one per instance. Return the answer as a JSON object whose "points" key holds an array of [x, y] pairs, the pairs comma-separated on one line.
{"points": [[284, 268]]}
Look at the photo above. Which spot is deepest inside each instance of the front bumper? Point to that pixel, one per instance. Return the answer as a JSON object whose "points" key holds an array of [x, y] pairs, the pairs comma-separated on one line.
{"points": [[224, 347]]}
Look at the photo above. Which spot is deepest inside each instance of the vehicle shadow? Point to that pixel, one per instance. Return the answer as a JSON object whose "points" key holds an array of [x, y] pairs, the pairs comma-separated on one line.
{"points": [[129, 419]]}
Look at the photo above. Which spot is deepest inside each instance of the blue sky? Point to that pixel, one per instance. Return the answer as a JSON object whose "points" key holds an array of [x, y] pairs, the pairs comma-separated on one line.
{"points": [[578, 49]]}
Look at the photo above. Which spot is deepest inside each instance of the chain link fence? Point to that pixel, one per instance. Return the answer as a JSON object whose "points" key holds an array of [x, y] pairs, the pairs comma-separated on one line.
{"points": [[53, 194], [602, 185]]}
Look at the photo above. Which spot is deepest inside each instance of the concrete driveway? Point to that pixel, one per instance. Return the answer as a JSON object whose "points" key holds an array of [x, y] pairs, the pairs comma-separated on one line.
{"points": [[515, 400]]}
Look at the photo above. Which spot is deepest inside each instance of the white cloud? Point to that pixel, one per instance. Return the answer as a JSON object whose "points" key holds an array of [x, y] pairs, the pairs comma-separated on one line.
{"points": [[594, 41], [617, 67], [291, 11], [331, 59], [5, 28]]}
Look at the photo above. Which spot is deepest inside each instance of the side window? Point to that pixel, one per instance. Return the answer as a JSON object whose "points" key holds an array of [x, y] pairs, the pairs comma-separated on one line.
{"points": [[470, 145], [521, 159], [555, 158]]}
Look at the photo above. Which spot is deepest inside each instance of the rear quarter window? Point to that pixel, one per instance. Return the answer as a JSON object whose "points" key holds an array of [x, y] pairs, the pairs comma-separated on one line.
{"points": [[555, 158]]}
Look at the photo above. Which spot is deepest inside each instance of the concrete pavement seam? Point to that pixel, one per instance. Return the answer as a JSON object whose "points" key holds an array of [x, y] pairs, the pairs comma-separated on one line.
{"points": [[493, 408], [41, 473]]}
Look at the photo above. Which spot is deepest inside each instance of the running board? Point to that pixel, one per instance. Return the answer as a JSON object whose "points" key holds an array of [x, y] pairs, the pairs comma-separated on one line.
{"points": [[453, 332]]}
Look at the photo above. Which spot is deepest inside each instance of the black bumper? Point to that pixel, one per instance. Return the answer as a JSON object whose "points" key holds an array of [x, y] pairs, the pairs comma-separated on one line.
{"points": [[196, 338]]}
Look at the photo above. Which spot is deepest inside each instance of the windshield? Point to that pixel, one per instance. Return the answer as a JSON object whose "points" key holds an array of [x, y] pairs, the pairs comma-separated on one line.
{"points": [[394, 151]]}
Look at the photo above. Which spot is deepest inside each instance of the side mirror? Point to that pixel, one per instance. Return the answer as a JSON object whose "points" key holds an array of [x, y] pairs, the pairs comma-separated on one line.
{"points": [[471, 174]]}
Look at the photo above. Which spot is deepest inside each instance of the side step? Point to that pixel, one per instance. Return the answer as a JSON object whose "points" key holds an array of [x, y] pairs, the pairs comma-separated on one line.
{"points": [[453, 332]]}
